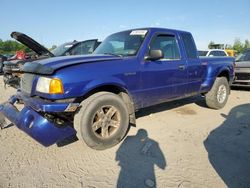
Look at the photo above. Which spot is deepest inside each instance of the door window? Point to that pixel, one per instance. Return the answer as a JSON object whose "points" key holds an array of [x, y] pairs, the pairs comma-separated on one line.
{"points": [[168, 45]]}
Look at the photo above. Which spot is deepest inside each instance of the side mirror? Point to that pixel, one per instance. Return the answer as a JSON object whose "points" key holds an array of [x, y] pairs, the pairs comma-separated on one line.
{"points": [[155, 55]]}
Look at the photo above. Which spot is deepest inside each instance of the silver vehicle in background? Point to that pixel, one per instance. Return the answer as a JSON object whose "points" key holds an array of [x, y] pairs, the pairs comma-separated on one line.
{"points": [[242, 70]]}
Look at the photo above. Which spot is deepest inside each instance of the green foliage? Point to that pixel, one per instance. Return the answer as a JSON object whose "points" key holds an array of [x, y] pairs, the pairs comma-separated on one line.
{"points": [[10, 47], [229, 46], [239, 46], [247, 44]]}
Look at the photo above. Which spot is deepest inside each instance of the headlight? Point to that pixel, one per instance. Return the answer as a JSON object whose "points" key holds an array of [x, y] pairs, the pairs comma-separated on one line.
{"points": [[49, 85]]}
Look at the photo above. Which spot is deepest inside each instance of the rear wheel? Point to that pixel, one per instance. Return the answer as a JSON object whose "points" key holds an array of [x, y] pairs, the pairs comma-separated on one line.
{"points": [[217, 97], [102, 121]]}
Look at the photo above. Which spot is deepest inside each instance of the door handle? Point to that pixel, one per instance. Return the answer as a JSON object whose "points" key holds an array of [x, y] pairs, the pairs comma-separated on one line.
{"points": [[182, 67]]}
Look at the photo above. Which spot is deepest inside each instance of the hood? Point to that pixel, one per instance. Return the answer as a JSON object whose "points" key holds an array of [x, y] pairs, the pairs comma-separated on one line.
{"points": [[242, 64], [30, 43], [49, 66]]}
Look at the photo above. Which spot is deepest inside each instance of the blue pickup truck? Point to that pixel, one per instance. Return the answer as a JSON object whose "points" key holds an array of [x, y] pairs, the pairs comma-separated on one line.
{"points": [[96, 96]]}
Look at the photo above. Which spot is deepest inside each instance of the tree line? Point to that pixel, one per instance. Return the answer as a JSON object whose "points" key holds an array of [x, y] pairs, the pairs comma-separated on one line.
{"points": [[10, 47], [238, 46]]}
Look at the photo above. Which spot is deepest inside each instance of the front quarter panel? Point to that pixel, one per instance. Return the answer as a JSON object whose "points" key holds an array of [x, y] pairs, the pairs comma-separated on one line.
{"points": [[80, 79]]}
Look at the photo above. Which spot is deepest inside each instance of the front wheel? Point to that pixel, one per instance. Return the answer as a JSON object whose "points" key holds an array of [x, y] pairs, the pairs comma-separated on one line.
{"points": [[102, 121], [217, 97]]}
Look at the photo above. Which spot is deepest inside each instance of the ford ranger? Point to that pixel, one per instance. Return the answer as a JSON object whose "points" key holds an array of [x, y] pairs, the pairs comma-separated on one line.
{"points": [[96, 96]]}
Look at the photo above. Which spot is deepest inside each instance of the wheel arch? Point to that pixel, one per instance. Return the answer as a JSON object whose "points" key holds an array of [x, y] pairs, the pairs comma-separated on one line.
{"points": [[224, 73], [115, 88]]}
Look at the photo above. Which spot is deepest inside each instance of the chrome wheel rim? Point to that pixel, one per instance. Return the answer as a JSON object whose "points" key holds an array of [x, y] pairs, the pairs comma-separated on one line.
{"points": [[106, 121], [222, 93]]}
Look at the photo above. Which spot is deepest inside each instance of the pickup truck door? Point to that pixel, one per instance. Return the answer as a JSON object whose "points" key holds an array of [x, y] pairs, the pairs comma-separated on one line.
{"points": [[165, 78]]}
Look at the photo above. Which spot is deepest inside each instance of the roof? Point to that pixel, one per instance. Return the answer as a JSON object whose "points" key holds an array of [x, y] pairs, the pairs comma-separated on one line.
{"points": [[155, 29]]}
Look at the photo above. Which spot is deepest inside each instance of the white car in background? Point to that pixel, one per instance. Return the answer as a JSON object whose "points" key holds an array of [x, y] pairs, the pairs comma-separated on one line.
{"points": [[212, 52]]}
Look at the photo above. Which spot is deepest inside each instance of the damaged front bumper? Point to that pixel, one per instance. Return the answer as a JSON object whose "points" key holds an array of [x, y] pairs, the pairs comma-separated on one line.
{"points": [[31, 121]]}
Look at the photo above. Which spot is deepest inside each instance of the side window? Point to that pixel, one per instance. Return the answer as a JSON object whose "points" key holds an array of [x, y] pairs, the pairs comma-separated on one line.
{"points": [[168, 45], [189, 45], [247, 57], [82, 48]]}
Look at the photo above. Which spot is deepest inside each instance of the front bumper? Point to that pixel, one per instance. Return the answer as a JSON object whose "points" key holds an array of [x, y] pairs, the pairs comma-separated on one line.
{"points": [[34, 124]]}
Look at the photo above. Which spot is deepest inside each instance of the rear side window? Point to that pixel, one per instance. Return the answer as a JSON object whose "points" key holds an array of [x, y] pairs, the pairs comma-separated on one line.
{"points": [[189, 45]]}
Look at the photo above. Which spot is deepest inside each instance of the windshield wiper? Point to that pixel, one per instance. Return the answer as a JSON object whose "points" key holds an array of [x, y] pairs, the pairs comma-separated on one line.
{"points": [[117, 55]]}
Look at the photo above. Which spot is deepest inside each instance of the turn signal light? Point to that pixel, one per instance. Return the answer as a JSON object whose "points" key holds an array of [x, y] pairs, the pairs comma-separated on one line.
{"points": [[56, 86]]}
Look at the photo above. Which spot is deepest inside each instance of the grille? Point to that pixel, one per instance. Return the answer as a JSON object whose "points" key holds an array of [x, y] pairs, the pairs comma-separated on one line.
{"points": [[26, 82], [242, 76]]}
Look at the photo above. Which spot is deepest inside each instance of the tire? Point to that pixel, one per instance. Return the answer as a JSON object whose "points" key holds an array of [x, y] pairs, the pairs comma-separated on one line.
{"points": [[217, 97], [102, 121]]}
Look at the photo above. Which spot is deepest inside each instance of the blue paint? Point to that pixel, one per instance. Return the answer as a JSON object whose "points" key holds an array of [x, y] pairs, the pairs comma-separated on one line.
{"points": [[147, 83]]}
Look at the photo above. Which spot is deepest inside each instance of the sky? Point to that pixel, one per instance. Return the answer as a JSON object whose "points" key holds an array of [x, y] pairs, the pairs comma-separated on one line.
{"points": [[57, 21]]}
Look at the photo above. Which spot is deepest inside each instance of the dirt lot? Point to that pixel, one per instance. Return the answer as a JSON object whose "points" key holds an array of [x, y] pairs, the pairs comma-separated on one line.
{"points": [[177, 144]]}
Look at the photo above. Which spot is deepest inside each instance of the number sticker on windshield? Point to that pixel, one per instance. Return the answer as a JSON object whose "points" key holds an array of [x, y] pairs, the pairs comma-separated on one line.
{"points": [[139, 32], [68, 46]]}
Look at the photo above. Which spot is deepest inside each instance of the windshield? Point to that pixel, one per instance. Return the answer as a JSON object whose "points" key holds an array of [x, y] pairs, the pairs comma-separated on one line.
{"points": [[202, 53], [126, 43], [60, 50]]}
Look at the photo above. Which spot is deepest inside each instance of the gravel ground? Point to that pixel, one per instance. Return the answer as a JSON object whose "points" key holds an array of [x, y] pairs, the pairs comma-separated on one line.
{"points": [[177, 144]]}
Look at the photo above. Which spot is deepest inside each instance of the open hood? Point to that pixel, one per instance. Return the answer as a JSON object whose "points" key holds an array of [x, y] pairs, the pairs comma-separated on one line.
{"points": [[30, 43]]}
